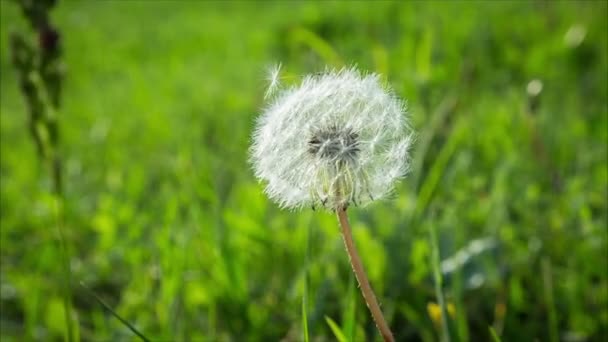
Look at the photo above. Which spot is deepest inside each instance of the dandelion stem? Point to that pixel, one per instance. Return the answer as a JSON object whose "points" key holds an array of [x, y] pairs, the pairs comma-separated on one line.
{"points": [[366, 289]]}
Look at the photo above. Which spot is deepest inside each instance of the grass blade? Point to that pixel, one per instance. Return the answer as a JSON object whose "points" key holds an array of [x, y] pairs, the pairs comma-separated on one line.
{"points": [[65, 267], [116, 315], [349, 321], [305, 295], [549, 300], [305, 312], [436, 260], [494, 335], [335, 329]]}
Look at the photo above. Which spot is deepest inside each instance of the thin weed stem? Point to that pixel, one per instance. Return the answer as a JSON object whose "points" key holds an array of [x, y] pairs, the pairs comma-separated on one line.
{"points": [[65, 266], [306, 280], [549, 299], [445, 331], [115, 314]]}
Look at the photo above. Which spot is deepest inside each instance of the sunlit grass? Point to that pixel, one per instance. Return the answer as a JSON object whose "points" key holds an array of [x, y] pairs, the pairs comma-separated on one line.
{"points": [[165, 221]]}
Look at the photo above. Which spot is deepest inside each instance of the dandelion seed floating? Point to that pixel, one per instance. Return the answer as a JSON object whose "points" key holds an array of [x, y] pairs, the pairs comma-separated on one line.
{"points": [[338, 139], [273, 79]]}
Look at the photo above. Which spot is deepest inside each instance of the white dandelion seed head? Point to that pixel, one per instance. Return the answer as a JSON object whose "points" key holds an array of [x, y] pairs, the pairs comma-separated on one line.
{"points": [[339, 138]]}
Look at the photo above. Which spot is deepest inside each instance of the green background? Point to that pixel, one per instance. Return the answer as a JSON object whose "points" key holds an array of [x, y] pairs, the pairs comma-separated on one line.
{"points": [[165, 221]]}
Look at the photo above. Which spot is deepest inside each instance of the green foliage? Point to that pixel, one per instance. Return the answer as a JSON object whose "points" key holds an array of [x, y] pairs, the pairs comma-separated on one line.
{"points": [[164, 220]]}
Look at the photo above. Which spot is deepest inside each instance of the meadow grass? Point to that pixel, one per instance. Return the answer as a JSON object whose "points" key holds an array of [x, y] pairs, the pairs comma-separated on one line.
{"points": [[164, 221]]}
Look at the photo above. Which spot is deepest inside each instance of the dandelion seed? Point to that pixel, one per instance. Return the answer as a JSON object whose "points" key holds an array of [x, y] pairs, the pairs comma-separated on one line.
{"points": [[273, 80], [338, 139]]}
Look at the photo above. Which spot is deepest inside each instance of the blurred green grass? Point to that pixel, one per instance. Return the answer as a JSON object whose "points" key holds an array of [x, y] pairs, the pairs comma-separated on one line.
{"points": [[165, 221]]}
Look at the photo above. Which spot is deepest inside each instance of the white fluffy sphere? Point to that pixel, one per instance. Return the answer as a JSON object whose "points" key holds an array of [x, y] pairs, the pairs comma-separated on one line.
{"points": [[339, 138]]}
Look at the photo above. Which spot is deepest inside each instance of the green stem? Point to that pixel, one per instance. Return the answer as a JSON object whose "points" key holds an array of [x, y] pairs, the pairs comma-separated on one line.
{"points": [[306, 279], [445, 331], [66, 269], [116, 315], [549, 299]]}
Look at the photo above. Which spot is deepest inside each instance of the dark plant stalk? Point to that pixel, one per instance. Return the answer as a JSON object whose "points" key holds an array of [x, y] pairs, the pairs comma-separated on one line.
{"points": [[366, 289], [40, 74]]}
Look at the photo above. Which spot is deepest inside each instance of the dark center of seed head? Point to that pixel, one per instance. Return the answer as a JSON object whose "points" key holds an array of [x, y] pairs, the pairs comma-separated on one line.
{"points": [[334, 143]]}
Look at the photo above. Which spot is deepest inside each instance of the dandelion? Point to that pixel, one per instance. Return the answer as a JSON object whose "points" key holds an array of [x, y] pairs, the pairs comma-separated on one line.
{"points": [[338, 139]]}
